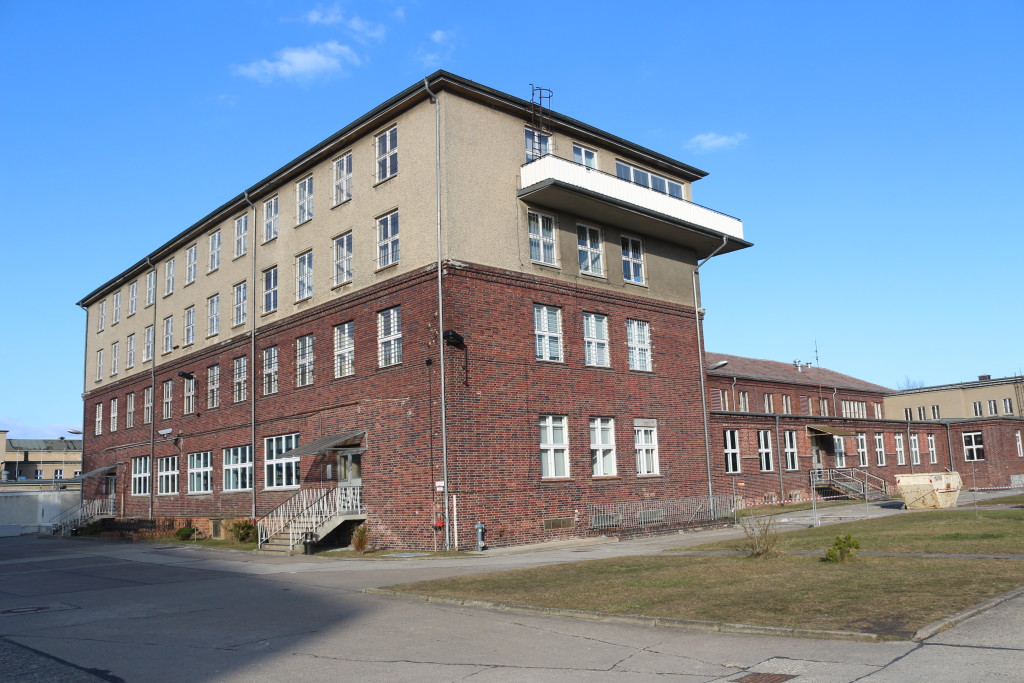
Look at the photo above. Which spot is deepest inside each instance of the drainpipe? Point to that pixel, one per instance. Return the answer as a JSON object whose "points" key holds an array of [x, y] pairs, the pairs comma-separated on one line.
{"points": [[440, 312], [949, 448], [700, 361], [252, 358], [85, 384], [152, 382], [910, 446], [781, 459]]}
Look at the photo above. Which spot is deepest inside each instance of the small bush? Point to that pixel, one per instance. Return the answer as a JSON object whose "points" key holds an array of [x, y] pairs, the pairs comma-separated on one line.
{"points": [[842, 549], [243, 531], [185, 533], [361, 538], [761, 536]]}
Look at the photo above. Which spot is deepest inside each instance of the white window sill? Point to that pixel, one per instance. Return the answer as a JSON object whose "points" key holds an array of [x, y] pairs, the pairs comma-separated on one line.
{"points": [[282, 488], [545, 264]]}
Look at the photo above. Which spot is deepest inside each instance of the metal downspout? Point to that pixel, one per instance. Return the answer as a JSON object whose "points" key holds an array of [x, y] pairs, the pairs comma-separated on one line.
{"points": [[782, 459], [700, 360], [152, 382], [85, 382], [252, 358]]}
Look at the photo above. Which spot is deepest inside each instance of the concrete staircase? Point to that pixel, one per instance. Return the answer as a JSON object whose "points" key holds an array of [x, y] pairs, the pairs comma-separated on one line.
{"points": [[318, 511]]}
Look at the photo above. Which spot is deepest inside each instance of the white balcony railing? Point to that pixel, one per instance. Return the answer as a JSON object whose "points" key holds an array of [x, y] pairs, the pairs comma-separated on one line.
{"points": [[594, 181]]}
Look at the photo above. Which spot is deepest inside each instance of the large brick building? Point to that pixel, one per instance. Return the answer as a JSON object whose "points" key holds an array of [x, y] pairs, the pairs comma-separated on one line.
{"points": [[461, 307]]}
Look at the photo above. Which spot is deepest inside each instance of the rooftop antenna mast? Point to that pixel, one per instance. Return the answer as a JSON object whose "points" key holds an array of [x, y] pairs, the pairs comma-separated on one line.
{"points": [[540, 120]]}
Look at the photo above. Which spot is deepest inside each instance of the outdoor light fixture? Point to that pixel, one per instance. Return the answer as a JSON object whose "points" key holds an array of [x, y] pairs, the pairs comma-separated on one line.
{"points": [[453, 338], [164, 432], [186, 375], [719, 364]]}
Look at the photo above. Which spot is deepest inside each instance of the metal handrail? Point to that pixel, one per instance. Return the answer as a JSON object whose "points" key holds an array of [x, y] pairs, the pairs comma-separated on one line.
{"points": [[278, 519], [307, 510], [87, 511]]}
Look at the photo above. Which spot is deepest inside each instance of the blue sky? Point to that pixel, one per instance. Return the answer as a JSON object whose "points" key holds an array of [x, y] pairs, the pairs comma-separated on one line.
{"points": [[874, 151]]}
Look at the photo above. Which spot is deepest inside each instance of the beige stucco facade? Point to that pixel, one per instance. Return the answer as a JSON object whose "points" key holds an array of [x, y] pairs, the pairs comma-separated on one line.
{"points": [[985, 397], [38, 460]]}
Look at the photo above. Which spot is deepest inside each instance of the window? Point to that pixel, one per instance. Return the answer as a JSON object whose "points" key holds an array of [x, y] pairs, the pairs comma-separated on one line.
{"points": [[595, 339], [140, 476], [101, 322], [859, 409], [191, 259], [129, 411], [862, 449], [168, 397], [190, 325], [270, 219], [1020, 444], [58, 474], [764, 450], [168, 334], [147, 405], [1008, 406], [387, 239], [638, 344], [645, 436], [602, 446], [238, 468], [39, 474], [840, 449], [99, 419], [769, 403], [935, 412], [648, 179], [387, 153], [213, 315], [241, 296], [732, 451], [281, 471], [633, 260], [583, 156], [343, 259], [823, 407], [933, 455], [908, 413], [113, 414], [147, 347], [900, 457], [241, 235], [214, 250], [590, 247], [304, 276], [719, 399], [270, 290], [213, 386], [878, 410], [547, 332], [270, 371], [792, 456], [169, 277], [150, 287], [344, 349], [200, 472], [974, 449], [977, 408], [117, 309], [238, 379], [304, 200], [99, 364], [537, 144], [880, 450], [992, 410], [167, 475], [389, 337], [543, 248], [189, 398], [743, 401], [343, 178], [554, 448], [133, 297], [915, 449], [787, 404], [920, 412], [304, 361]]}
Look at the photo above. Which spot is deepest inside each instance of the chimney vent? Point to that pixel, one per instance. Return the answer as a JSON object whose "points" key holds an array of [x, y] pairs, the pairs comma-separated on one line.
{"points": [[982, 378]]}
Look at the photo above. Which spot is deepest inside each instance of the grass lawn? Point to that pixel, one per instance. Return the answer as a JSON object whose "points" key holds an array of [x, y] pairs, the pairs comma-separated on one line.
{"points": [[227, 543]]}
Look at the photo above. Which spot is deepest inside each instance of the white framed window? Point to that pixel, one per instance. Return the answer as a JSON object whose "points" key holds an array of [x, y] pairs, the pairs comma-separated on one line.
{"points": [[840, 451], [214, 243], [787, 404], [554, 447], [168, 399], [147, 346], [140, 476], [915, 449], [238, 468], [590, 247], [935, 412], [190, 325], [167, 475], [537, 144], [543, 236], [304, 360], [920, 412], [343, 259], [189, 396], [645, 439], [901, 458], [823, 407], [638, 344], [133, 298], [241, 299], [304, 276], [860, 409], [992, 407], [387, 153], [116, 314], [213, 315], [769, 403], [150, 288], [1008, 406], [974, 447], [169, 277], [270, 370], [270, 290], [147, 405], [584, 156], [651, 180], [719, 399], [200, 472], [241, 235], [633, 260], [1020, 444], [595, 339], [168, 334], [976, 405], [602, 446], [933, 454], [387, 240], [239, 378], [99, 364], [343, 178], [389, 337], [115, 358], [908, 413], [191, 263], [732, 451], [270, 219], [101, 317], [880, 450], [304, 200], [282, 470], [58, 474], [792, 455], [213, 386], [113, 414], [764, 450], [878, 410], [98, 426], [862, 449], [344, 349], [130, 353], [129, 411], [547, 332]]}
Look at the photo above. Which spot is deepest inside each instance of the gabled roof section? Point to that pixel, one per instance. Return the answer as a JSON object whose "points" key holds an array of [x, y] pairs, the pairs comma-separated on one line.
{"points": [[69, 445], [770, 370]]}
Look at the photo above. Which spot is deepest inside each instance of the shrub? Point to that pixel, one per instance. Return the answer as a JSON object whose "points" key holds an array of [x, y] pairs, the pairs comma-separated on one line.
{"points": [[243, 531], [761, 536], [185, 533], [842, 549], [361, 538]]}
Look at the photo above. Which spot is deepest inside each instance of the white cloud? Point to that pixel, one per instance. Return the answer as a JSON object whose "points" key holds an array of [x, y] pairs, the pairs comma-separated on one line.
{"points": [[366, 29], [362, 29], [300, 63], [399, 13], [331, 15], [438, 50], [710, 142]]}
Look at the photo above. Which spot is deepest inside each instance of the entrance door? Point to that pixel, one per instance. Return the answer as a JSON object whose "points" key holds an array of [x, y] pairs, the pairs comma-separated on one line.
{"points": [[816, 457], [350, 471]]}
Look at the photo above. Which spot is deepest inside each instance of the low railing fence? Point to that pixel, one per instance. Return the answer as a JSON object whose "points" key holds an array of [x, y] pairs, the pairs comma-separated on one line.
{"points": [[82, 514], [346, 500], [279, 518], [650, 514]]}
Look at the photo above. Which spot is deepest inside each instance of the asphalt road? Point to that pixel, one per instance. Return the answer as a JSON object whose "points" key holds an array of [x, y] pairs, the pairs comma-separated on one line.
{"points": [[81, 610]]}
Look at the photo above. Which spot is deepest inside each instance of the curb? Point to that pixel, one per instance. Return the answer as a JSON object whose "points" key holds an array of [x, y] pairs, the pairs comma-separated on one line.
{"points": [[951, 621], [641, 619]]}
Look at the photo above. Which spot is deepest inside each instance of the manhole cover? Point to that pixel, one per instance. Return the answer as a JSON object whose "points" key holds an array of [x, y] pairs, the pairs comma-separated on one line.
{"points": [[764, 678]]}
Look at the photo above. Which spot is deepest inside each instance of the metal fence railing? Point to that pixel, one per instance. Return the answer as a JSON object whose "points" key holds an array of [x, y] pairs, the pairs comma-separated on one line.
{"points": [[666, 512]]}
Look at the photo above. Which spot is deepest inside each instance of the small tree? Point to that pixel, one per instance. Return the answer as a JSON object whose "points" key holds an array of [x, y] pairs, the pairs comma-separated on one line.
{"points": [[361, 538], [842, 549], [761, 536]]}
